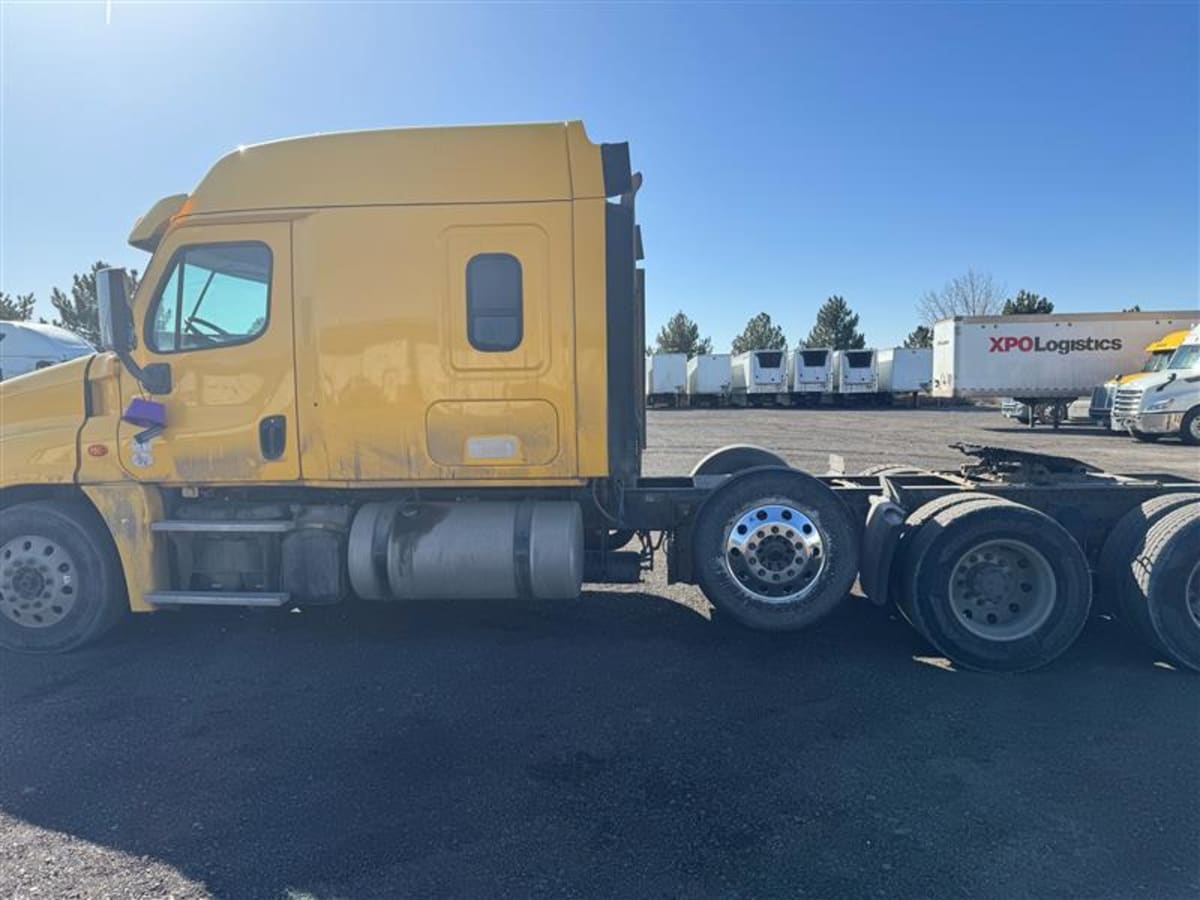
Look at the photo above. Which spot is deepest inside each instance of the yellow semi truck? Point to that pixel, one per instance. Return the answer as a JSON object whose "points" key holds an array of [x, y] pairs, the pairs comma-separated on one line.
{"points": [[1158, 355], [408, 364]]}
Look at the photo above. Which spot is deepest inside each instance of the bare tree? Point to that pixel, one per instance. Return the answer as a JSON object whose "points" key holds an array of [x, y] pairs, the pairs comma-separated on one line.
{"points": [[971, 294]]}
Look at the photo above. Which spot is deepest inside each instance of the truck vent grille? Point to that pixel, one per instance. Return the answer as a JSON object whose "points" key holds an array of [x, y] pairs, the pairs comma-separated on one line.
{"points": [[1127, 403]]}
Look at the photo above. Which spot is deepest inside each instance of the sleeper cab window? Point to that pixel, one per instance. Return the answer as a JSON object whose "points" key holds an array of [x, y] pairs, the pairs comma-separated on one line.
{"points": [[495, 317], [213, 295]]}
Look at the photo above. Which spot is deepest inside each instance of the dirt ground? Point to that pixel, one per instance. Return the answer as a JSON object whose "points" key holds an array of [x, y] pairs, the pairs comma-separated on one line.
{"points": [[619, 746]]}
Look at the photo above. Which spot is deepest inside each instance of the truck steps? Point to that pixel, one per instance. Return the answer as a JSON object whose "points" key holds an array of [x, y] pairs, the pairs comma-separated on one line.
{"points": [[226, 526], [216, 598]]}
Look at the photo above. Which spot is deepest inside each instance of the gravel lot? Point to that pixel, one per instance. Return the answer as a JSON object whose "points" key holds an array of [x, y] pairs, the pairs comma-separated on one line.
{"points": [[621, 746]]}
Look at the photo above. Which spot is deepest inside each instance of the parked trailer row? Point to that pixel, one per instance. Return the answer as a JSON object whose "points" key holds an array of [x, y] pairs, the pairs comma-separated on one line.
{"points": [[801, 377], [512, 470]]}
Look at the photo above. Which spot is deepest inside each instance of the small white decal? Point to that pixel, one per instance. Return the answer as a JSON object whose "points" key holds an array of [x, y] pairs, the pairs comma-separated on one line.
{"points": [[492, 447], [142, 456]]}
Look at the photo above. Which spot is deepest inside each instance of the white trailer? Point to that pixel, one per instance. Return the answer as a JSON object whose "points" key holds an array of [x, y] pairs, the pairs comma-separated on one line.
{"points": [[904, 370], [759, 377], [28, 346], [1043, 361], [709, 379], [1043, 357], [810, 374], [855, 374], [666, 379]]}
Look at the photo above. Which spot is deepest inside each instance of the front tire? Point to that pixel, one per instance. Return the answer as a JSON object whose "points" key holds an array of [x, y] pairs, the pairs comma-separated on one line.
{"points": [[1189, 429], [775, 550], [60, 580]]}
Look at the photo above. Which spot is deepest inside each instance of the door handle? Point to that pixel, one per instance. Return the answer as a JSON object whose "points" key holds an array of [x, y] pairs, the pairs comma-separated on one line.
{"points": [[272, 436]]}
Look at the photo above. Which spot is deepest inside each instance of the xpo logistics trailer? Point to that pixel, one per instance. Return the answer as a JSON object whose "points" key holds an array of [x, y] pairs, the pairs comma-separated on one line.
{"points": [[1042, 361], [407, 365]]}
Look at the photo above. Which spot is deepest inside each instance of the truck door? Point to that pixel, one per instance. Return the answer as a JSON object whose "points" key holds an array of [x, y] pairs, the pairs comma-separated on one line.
{"points": [[216, 306]]}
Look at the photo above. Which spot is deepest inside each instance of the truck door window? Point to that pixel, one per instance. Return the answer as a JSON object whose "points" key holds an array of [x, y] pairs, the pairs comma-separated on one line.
{"points": [[495, 320], [213, 295]]}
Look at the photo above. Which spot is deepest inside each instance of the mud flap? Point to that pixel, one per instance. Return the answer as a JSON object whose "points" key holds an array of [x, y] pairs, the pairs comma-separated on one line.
{"points": [[885, 521]]}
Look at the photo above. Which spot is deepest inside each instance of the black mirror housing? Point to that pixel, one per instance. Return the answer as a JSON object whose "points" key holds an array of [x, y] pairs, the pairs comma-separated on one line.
{"points": [[116, 318]]}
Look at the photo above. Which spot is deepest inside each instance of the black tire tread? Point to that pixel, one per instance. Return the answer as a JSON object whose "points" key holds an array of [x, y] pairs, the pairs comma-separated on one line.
{"points": [[945, 521], [820, 503], [1163, 538], [1118, 587], [108, 583]]}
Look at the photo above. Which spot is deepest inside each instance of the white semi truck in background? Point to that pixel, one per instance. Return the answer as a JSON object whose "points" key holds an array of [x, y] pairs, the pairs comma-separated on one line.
{"points": [[1158, 356], [1166, 403], [29, 346], [1043, 361]]}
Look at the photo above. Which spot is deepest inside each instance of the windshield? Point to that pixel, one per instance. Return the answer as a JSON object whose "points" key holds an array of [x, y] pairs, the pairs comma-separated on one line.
{"points": [[1156, 362], [1186, 357]]}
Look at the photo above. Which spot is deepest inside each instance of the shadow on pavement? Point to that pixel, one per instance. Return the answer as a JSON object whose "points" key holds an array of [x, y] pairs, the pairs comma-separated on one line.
{"points": [[618, 746]]}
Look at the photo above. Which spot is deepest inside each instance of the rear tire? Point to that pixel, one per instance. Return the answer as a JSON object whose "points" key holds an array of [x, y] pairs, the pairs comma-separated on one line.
{"points": [[997, 586], [1118, 587], [61, 584], [736, 458], [905, 548], [775, 550], [1167, 571]]}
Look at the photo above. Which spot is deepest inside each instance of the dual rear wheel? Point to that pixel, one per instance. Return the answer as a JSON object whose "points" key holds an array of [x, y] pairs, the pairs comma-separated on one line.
{"points": [[1151, 565], [992, 584]]}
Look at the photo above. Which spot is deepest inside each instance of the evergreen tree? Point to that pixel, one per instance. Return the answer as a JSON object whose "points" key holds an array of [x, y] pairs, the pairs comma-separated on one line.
{"points": [[1026, 303], [760, 333], [836, 327], [16, 308], [80, 312], [919, 337], [682, 335]]}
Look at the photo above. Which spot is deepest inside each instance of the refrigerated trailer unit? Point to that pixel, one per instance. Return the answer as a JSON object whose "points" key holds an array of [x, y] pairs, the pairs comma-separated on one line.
{"points": [[488, 442], [709, 379], [759, 377], [855, 375], [810, 375], [666, 379]]}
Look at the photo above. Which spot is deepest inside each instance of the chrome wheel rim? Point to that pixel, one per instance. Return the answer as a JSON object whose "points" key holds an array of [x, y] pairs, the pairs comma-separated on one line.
{"points": [[775, 552], [1194, 427], [38, 581], [1002, 590], [1192, 595]]}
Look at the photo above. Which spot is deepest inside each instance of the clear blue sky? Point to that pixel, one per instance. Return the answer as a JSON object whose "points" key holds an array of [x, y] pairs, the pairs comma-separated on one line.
{"points": [[790, 152]]}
